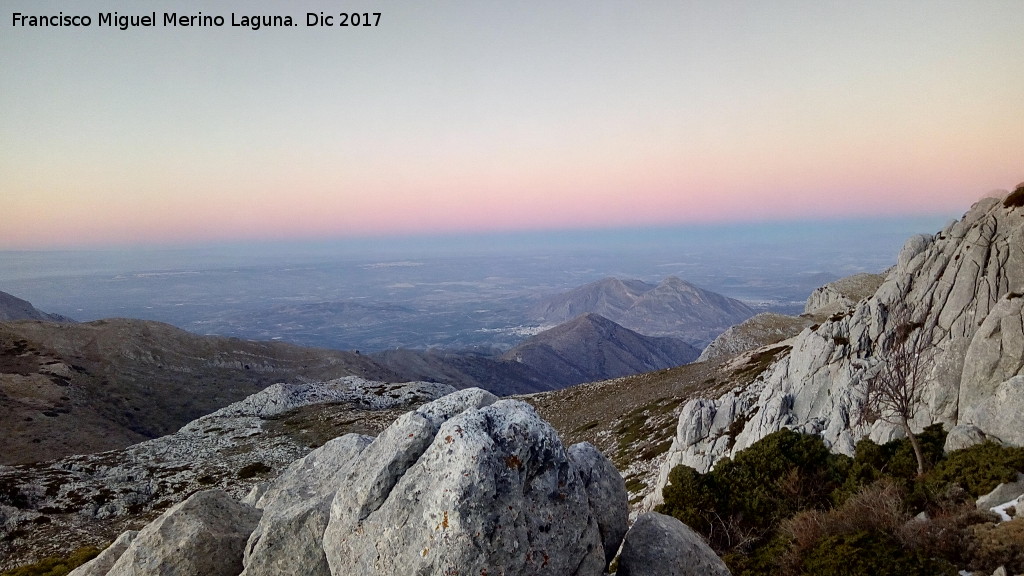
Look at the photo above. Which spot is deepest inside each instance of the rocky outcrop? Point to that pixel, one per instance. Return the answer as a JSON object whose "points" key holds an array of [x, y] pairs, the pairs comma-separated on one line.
{"points": [[839, 296], [466, 489], [90, 497], [466, 484], [761, 330], [659, 545], [959, 288], [296, 507], [203, 535], [1004, 492], [963, 436]]}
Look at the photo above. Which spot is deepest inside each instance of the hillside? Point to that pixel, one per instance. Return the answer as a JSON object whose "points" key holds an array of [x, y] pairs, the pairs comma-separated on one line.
{"points": [[80, 388], [591, 347], [671, 308], [585, 349], [14, 308]]}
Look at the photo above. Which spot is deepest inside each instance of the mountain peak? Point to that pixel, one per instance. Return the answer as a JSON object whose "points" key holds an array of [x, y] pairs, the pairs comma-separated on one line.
{"points": [[673, 307]]}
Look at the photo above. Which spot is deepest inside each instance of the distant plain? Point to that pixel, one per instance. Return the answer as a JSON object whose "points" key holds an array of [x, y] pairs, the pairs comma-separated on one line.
{"points": [[454, 292]]}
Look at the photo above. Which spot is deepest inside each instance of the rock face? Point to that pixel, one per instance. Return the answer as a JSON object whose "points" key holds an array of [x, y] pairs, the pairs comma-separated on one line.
{"points": [[761, 330], [961, 286], [471, 489], [296, 508], [659, 545], [203, 535], [843, 294]]}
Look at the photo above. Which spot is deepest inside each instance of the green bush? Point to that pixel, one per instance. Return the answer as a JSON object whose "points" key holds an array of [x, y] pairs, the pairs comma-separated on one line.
{"points": [[867, 553], [786, 505], [741, 501], [56, 565], [979, 468]]}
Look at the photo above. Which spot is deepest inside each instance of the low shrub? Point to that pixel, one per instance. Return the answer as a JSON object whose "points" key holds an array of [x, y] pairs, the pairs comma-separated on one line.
{"points": [[995, 545], [869, 553], [741, 501], [56, 565], [980, 468]]}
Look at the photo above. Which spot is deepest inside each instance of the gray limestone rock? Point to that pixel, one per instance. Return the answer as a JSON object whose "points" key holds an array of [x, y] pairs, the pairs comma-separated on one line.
{"points": [[440, 410], [999, 415], [606, 492], [996, 352], [659, 545], [1003, 493], [961, 286], [963, 436], [761, 330], [101, 565], [845, 293], [296, 508], [205, 534], [912, 247], [488, 490]]}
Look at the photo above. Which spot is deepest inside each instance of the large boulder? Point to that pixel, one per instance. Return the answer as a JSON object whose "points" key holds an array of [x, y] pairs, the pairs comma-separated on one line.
{"points": [[205, 534], [296, 507], [659, 545], [461, 487], [606, 492]]}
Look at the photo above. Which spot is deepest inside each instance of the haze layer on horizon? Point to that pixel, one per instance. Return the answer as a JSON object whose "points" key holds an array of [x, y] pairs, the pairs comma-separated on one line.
{"points": [[455, 118]]}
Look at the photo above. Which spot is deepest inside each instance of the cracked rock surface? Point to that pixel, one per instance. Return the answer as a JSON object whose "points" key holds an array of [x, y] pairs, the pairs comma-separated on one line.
{"points": [[963, 285]]}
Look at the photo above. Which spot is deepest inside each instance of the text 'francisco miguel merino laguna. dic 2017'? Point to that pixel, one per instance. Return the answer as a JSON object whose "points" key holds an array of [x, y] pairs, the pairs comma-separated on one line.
{"points": [[174, 19]]}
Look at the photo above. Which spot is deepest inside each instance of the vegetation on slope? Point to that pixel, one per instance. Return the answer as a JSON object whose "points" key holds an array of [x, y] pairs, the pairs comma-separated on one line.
{"points": [[787, 505]]}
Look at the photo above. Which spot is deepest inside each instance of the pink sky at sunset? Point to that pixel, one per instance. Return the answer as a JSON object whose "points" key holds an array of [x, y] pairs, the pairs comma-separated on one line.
{"points": [[454, 117]]}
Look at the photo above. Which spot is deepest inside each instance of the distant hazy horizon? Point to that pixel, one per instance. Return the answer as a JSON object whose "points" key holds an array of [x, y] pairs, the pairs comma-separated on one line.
{"points": [[468, 117], [455, 291]]}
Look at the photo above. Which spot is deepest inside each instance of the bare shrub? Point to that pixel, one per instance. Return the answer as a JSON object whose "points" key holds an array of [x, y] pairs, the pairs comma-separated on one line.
{"points": [[995, 545]]}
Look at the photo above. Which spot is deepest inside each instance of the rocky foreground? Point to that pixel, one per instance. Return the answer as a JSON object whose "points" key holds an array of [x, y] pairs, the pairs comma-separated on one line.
{"points": [[467, 484]]}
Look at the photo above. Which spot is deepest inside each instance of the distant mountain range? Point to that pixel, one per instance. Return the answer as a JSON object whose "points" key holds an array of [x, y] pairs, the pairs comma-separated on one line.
{"points": [[673, 307], [587, 348], [77, 388]]}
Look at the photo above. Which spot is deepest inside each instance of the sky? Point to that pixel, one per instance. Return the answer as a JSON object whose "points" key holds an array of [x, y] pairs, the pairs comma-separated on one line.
{"points": [[476, 116]]}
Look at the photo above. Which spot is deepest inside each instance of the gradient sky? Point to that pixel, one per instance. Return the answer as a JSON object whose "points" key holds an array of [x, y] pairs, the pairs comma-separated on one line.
{"points": [[479, 115]]}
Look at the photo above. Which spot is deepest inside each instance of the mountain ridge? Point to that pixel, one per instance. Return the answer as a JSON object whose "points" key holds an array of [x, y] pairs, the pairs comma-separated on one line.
{"points": [[673, 307]]}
